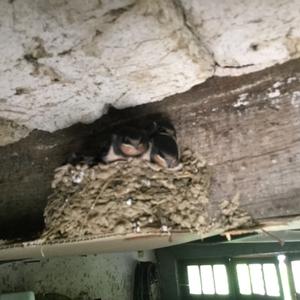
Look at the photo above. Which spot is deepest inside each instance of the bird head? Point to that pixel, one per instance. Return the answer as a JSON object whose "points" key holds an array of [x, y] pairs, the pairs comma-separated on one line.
{"points": [[132, 142]]}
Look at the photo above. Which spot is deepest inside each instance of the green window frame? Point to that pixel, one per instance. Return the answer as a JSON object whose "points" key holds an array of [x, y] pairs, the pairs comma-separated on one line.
{"points": [[184, 282], [173, 262]]}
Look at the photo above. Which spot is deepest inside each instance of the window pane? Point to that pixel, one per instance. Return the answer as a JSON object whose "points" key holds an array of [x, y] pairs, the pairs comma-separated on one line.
{"points": [[207, 278], [284, 277], [271, 280], [257, 280], [296, 274], [194, 280], [221, 280], [243, 279]]}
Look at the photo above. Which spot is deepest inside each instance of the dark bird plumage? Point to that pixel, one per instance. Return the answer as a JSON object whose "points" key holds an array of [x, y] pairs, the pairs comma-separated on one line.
{"points": [[163, 149], [125, 143], [154, 141]]}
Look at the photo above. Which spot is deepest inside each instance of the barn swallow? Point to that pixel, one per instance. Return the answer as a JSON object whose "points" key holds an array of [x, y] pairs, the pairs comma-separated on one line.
{"points": [[163, 149], [125, 143]]}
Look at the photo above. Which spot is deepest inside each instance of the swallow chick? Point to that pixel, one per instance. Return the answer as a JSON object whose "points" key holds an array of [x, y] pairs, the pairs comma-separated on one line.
{"points": [[128, 142], [163, 149]]}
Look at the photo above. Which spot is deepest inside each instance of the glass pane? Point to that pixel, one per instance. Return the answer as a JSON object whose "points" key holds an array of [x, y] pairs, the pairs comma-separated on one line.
{"points": [[194, 280], [243, 279], [257, 280], [271, 280], [284, 277], [221, 280], [207, 277], [296, 274]]}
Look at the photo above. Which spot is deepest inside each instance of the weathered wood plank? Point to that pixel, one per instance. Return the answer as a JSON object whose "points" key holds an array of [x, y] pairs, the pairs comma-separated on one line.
{"points": [[248, 129]]}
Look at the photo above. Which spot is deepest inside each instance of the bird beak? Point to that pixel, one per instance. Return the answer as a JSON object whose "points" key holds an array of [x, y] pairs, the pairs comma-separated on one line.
{"points": [[168, 163], [130, 150], [160, 161]]}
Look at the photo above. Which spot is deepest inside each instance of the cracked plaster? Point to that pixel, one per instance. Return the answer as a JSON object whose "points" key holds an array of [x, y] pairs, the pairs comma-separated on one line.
{"points": [[62, 61]]}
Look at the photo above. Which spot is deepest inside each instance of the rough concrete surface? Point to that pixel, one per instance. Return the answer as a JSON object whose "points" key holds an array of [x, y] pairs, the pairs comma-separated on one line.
{"points": [[244, 36], [11, 132], [105, 276], [62, 61]]}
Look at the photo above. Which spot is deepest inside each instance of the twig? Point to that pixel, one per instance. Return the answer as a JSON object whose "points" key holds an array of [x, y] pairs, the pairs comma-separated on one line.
{"points": [[281, 242]]}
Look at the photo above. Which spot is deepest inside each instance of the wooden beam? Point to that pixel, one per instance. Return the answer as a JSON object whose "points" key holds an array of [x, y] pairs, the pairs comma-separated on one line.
{"points": [[247, 128]]}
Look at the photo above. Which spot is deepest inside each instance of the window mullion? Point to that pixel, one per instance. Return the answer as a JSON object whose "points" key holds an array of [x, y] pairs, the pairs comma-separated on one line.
{"points": [[232, 280]]}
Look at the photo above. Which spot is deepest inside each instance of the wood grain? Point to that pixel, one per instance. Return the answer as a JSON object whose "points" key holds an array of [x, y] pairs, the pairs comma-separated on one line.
{"points": [[247, 128]]}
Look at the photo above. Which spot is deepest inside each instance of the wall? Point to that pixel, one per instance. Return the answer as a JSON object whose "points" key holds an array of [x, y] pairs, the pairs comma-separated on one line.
{"points": [[105, 276]]}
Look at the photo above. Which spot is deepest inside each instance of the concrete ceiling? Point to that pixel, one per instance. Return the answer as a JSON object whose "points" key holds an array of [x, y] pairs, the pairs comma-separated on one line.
{"points": [[63, 61]]}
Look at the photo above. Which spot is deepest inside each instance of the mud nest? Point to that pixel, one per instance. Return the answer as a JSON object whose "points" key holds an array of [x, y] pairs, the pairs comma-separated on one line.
{"points": [[133, 196]]}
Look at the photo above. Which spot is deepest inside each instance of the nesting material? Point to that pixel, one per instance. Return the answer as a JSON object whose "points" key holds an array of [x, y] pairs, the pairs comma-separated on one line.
{"points": [[129, 196]]}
